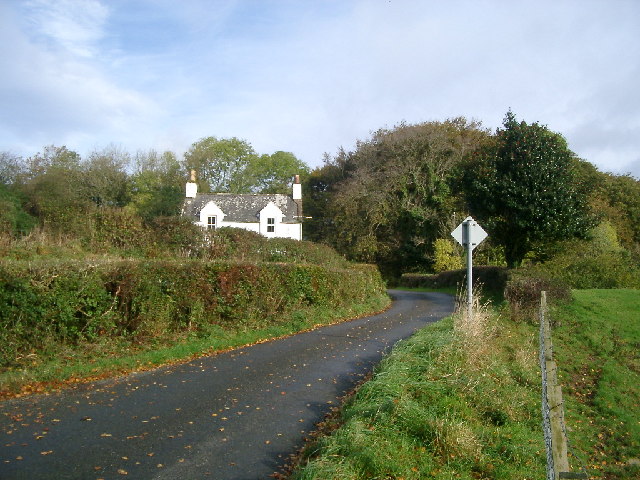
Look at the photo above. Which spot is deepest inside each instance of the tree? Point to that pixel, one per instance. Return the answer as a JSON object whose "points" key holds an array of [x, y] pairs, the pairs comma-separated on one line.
{"points": [[51, 159], [13, 218], [524, 190], [51, 184], [105, 180], [223, 165], [318, 190], [157, 184], [445, 256], [11, 168], [273, 173], [393, 197]]}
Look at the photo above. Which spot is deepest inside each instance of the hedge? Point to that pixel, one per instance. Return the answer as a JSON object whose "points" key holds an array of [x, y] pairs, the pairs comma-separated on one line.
{"points": [[46, 303], [492, 278]]}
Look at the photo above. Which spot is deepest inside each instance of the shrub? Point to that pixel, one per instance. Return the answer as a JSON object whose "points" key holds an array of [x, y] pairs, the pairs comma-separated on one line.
{"points": [[50, 302], [445, 257], [492, 278], [175, 236], [604, 270], [117, 228], [600, 262], [523, 292]]}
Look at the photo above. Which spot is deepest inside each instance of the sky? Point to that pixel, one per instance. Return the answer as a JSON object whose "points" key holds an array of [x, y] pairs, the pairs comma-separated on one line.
{"points": [[312, 76]]}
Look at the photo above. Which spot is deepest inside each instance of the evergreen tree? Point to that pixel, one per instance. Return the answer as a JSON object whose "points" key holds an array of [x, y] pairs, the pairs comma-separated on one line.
{"points": [[524, 190]]}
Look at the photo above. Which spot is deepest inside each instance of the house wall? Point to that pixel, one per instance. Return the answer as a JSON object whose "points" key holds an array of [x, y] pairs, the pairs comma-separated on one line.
{"points": [[281, 230], [290, 230]]}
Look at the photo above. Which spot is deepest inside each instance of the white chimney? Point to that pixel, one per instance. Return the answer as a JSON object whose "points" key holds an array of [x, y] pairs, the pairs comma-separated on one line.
{"points": [[192, 186], [297, 188]]}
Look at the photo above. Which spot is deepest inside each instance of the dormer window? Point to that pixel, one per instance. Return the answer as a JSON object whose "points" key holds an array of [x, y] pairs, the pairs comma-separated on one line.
{"points": [[271, 225], [212, 223]]}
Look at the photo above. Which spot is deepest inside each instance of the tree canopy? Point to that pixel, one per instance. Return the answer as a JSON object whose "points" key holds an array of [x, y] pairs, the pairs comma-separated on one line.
{"points": [[66, 193], [391, 198], [230, 165], [524, 188], [222, 164]]}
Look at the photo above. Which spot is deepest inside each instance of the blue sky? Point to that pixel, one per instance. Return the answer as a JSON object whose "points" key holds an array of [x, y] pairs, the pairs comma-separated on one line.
{"points": [[311, 76]]}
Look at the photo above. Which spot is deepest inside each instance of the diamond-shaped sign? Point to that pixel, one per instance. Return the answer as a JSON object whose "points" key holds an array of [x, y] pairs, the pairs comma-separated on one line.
{"points": [[469, 232]]}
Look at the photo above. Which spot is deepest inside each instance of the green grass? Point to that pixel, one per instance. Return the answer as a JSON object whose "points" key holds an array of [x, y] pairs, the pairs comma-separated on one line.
{"points": [[89, 361], [598, 353], [457, 400], [462, 400]]}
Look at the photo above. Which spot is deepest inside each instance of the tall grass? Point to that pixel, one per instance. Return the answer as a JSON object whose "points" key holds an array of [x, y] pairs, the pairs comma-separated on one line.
{"points": [[461, 399], [454, 401]]}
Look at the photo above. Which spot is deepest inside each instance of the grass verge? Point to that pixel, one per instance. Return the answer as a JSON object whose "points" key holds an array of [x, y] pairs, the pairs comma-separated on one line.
{"points": [[92, 361], [457, 400], [461, 399]]}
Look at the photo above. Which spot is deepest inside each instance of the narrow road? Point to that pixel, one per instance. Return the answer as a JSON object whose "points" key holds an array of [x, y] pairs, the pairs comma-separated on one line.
{"points": [[237, 415]]}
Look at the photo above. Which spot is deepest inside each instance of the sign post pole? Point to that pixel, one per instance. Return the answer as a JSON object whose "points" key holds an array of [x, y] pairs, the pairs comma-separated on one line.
{"points": [[469, 234], [469, 272]]}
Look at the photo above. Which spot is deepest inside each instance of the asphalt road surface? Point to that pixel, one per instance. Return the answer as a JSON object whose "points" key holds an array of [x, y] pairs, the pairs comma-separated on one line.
{"points": [[237, 415]]}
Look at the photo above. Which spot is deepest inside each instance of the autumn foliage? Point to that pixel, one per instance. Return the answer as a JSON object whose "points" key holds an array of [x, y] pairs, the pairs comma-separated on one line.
{"points": [[226, 284]]}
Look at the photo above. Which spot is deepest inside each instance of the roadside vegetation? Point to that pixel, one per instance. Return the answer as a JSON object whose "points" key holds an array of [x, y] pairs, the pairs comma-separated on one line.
{"points": [[63, 319], [461, 399]]}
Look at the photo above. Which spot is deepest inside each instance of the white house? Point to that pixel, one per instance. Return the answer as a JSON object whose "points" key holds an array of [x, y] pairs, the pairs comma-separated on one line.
{"points": [[272, 215]]}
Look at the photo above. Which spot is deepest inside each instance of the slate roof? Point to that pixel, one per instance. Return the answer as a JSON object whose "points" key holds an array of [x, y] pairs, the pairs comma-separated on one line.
{"points": [[241, 207]]}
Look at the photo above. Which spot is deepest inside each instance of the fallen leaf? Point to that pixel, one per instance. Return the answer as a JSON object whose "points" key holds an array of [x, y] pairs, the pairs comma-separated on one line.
{"points": [[122, 472], [49, 452]]}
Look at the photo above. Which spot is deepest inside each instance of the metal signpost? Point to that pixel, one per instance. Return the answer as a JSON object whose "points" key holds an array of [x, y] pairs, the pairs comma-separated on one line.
{"points": [[469, 234]]}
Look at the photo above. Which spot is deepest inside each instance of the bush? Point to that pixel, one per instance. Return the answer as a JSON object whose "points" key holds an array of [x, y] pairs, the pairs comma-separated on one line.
{"points": [[174, 236], [523, 292], [47, 303], [604, 270], [445, 257], [600, 262], [492, 278], [117, 228]]}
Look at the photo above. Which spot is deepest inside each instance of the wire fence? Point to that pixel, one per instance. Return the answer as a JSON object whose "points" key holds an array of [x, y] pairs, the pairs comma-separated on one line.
{"points": [[553, 425]]}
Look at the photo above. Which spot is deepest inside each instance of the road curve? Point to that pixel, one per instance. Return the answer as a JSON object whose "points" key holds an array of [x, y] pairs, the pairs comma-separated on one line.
{"points": [[236, 415]]}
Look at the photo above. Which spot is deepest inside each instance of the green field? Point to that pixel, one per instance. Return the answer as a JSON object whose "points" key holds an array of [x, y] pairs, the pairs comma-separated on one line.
{"points": [[462, 400], [598, 353]]}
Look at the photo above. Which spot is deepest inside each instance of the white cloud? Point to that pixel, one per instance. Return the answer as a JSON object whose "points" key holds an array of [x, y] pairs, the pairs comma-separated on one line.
{"points": [[310, 77], [55, 89], [74, 25]]}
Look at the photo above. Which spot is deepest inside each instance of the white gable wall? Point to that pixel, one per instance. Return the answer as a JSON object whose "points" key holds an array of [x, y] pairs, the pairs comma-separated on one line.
{"points": [[273, 212], [210, 210]]}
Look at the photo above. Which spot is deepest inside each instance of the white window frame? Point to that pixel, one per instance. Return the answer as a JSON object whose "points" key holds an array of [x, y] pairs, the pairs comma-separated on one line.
{"points": [[212, 222], [271, 225]]}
